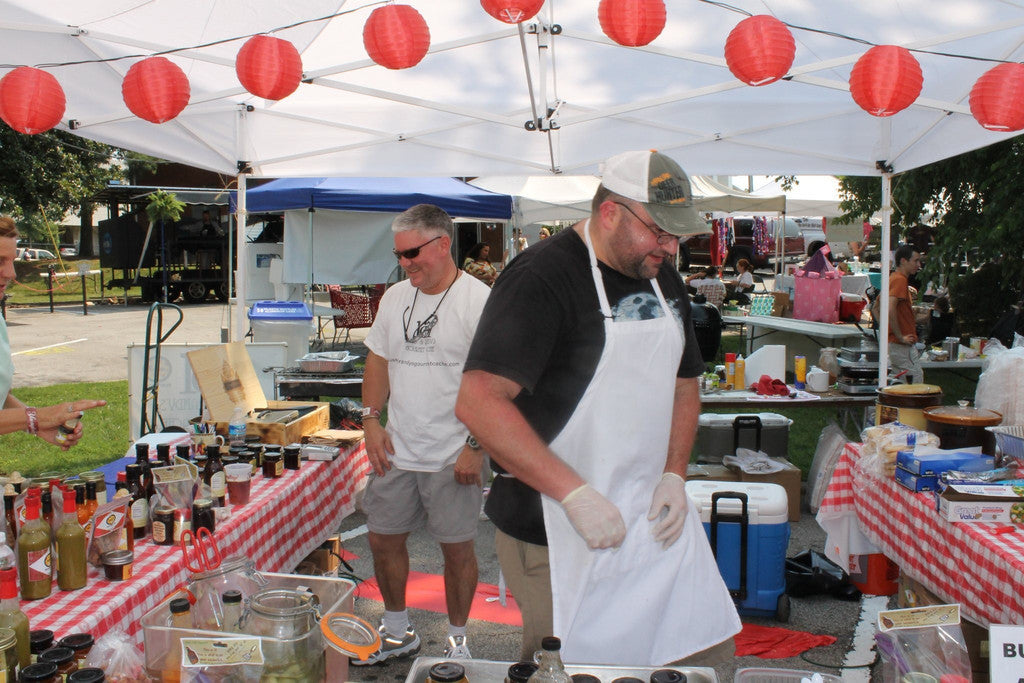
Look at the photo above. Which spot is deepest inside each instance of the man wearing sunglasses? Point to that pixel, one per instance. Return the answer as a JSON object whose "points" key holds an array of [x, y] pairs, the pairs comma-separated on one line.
{"points": [[581, 385], [426, 467]]}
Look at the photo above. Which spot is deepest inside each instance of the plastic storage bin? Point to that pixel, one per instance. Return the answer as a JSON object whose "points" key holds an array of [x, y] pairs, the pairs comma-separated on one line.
{"points": [[748, 527], [281, 655], [765, 675], [283, 321], [720, 434]]}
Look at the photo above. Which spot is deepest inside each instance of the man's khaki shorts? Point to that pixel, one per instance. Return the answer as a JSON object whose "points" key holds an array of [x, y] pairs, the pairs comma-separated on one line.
{"points": [[402, 500]]}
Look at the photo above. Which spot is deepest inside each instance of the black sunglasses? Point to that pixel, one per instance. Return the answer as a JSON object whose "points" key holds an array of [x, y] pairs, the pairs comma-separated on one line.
{"points": [[414, 252]]}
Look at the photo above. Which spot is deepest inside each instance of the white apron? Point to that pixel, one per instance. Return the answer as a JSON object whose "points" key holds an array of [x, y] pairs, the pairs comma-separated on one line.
{"points": [[638, 604]]}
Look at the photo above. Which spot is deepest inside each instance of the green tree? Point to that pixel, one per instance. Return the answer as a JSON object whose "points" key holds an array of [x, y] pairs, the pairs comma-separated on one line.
{"points": [[45, 176], [162, 206], [977, 208]]}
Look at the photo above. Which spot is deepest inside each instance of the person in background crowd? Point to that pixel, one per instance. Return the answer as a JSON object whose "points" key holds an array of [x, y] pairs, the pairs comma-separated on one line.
{"points": [[426, 466], [544, 233], [942, 322], [740, 288], [478, 264], [15, 416], [582, 335], [902, 326]]}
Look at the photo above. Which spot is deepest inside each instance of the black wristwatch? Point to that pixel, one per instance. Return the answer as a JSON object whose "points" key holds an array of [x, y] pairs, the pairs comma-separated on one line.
{"points": [[472, 442]]}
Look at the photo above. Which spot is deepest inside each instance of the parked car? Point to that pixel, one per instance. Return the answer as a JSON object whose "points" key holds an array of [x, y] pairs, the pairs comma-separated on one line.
{"points": [[697, 249], [35, 255], [68, 251]]}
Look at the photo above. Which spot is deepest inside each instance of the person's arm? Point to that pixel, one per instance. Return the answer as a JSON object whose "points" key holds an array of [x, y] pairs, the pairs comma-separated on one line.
{"points": [[669, 499], [376, 390], [485, 406], [14, 418], [894, 323]]}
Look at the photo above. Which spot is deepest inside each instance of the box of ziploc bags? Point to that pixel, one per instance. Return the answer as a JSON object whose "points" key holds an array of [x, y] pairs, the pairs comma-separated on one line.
{"points": [[935, 461]]}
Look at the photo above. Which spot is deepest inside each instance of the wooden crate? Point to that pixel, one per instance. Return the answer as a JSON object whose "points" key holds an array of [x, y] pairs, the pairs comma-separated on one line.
{"points": [[226, 378]]}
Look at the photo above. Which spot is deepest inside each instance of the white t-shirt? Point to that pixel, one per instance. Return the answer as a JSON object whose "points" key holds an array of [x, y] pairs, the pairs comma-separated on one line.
{"points": [[424, 374], [746, 279]]}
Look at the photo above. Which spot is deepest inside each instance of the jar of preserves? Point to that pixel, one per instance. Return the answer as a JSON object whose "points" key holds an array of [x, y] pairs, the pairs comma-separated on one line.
{"points": [[163, 525], [40, 672], [520, 672], [80, 643], [292, 457], [9, 652], [88, 675], [63, 657], [203, 515], [117, 564], [40, 641], [447, 672], [273, 467]]}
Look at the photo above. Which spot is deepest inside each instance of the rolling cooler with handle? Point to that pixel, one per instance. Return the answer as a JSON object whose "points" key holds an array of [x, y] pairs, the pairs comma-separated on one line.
{"points": [[720, 434], [748, 527]]}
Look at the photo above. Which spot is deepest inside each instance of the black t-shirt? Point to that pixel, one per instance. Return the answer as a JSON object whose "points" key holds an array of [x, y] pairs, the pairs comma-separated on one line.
{"points": [[543, 328]]}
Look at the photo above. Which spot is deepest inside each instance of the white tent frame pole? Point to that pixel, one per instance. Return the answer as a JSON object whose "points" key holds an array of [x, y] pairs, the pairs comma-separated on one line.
{"points": [[237, 332], [883, 324]]}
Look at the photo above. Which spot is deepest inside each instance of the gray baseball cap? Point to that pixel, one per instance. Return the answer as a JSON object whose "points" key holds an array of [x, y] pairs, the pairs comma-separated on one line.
{"points": [[657, 182]]}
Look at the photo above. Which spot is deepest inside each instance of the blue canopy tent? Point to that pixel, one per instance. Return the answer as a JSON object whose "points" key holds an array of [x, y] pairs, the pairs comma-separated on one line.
{"points": [[349, 220]]}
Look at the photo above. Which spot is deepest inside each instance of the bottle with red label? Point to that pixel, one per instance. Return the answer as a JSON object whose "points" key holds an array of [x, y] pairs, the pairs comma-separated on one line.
{"points": [[35, 566]]}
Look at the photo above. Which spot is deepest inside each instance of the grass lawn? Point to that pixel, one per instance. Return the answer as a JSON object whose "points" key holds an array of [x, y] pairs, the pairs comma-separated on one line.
{"points": [[30, 286], [105, 438]]}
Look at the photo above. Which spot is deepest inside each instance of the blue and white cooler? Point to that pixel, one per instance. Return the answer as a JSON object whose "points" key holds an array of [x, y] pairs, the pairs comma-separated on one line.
{"points": [[748, 527]]}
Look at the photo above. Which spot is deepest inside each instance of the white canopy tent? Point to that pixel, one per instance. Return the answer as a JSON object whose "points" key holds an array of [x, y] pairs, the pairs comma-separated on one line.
{"points": [[551, 198], [462, 111]]}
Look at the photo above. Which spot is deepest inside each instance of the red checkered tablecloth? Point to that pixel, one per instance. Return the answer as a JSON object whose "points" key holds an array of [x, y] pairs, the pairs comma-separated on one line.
{"points": [[285, 520], [964, 562]]}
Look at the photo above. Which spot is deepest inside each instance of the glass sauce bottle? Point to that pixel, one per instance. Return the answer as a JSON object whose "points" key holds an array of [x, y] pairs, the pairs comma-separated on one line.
{"points": [[550, 668], [140, 503], [71, 574], [34, 560], [142, 460], [213, 475], [11, 615]]}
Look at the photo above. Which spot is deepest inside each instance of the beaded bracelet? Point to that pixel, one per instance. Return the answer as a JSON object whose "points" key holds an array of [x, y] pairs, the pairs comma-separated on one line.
{"points": [[33, 420]]}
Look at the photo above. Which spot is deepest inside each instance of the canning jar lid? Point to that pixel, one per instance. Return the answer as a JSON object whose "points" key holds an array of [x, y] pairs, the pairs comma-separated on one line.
{"points": [[77, 641], [7, 638], [88, 675], [58, 655], [117, 557], [40, 671], [447, 672], [350, 635]]}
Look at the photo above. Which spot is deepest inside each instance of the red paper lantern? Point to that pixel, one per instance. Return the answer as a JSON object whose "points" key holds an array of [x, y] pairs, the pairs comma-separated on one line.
{"points": [[396, 36], [512, 11], [632, 22], [997, 98], [269, 67], [155, 89], [760, 50], [885, 80], [31, 100]]}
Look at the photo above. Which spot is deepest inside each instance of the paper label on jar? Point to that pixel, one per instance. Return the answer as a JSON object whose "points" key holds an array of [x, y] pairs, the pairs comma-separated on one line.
{"points": [[278, 468], [218, 485], [159, 532], [199, 652], [40, 565], [140, 513]]}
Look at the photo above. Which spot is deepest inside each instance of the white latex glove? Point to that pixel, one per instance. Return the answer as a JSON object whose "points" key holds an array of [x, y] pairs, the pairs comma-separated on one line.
{"points": [[670, 495], [595, 518]]}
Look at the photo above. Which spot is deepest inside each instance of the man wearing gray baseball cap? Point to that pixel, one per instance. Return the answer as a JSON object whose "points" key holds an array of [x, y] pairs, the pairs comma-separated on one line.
{"points": [[581, 383]]}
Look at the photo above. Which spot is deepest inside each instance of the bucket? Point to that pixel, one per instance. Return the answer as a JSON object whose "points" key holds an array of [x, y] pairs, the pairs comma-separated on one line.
{"points": [[905, 403], [874, 574]]}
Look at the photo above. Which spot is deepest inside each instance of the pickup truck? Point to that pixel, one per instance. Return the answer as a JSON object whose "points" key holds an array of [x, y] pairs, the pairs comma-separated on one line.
{"points": [[697, 249]]}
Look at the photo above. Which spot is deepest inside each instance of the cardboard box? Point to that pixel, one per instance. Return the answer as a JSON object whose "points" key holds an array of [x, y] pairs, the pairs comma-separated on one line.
{"points": [[710, 472], [913, 593], [781, 304], [982, 503], [226, 378], [916, 482], [324, 561], [788, 478]]}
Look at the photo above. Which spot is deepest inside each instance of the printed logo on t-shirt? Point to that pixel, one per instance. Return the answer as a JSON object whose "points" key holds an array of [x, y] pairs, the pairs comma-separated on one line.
{"points": [[643, 306]]}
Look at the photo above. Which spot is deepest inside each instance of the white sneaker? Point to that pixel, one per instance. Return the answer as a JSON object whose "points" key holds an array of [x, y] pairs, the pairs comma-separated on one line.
{"points": [[457, 648], [392, 647]]}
